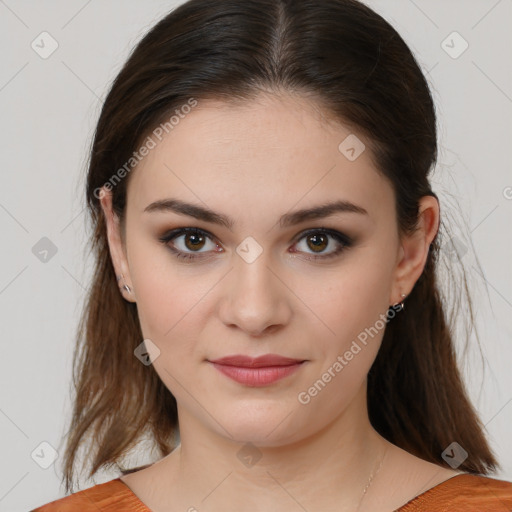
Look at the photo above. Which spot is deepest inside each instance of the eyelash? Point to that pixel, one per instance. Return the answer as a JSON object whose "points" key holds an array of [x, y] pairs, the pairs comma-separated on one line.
{"points": [[344, 241]]}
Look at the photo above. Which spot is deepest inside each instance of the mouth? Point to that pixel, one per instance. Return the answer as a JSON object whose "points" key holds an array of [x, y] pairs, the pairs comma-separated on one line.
{"points": [[259, 371]]}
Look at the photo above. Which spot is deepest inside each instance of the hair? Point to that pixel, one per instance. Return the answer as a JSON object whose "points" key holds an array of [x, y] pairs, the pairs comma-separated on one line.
{"points": [[354, 65]]}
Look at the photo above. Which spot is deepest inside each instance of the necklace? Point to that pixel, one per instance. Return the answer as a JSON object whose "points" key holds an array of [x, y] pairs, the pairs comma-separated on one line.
{"points": [[370, 480]]}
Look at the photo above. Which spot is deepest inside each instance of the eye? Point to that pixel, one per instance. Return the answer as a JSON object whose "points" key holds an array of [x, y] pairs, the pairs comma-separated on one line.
{"points": [[193, 239], [318, 240], [187, 243]]}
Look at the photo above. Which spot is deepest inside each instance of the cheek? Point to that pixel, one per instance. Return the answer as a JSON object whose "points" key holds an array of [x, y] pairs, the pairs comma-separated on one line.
{"points": [[172, 304], [168, 304], [352, 300], [353, 308], [170, 313]]}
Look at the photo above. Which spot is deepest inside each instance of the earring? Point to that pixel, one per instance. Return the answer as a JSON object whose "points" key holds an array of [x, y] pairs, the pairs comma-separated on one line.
{"points": [[125, 286], [399, 306]]}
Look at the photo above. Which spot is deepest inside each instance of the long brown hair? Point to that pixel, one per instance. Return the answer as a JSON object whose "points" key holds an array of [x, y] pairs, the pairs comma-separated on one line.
{"points": [[360, 71]]}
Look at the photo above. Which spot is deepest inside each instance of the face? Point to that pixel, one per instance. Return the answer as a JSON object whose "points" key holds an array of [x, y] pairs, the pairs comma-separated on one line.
{"points": [[264, 280]]}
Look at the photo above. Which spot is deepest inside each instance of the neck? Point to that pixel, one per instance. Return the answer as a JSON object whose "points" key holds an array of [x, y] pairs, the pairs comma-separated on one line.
{"points": [[327, 470]]}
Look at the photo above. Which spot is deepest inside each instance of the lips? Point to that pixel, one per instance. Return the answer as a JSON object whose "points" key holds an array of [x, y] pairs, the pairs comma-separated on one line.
{"points": [[266, 360], [259, 371]]}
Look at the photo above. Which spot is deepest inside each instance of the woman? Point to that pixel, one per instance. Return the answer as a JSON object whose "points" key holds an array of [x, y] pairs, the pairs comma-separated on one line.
{"points": [[267, 241]]}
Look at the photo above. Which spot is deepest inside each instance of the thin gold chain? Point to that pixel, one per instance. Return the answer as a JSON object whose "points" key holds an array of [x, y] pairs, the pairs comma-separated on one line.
{"points": [[370, 480]]}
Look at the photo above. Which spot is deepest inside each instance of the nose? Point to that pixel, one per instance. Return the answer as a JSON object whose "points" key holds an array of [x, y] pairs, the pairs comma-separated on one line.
{"points": [[255, 298]]}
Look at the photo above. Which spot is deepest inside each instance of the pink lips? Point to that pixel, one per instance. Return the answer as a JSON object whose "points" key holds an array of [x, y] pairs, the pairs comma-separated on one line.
{"points": [[259, 371]]}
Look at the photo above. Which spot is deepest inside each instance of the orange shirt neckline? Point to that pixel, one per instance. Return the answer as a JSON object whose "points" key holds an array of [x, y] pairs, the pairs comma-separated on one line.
{"points": [[429, 492], [139, 506]]}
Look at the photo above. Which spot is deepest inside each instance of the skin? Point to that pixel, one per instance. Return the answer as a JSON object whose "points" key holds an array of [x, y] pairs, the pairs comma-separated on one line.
{"points": [[269, 156]]}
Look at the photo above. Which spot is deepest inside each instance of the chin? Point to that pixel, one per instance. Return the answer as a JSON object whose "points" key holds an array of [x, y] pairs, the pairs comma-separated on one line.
{"points": [[271, 426]]}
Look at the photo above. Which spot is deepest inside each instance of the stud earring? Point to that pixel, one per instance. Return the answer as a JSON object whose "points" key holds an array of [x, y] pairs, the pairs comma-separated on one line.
{"points": [[125, 286]]}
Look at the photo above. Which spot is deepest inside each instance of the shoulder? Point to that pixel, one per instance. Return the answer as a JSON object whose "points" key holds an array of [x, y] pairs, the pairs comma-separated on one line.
{"points": [[112, 496], [472, 493]]}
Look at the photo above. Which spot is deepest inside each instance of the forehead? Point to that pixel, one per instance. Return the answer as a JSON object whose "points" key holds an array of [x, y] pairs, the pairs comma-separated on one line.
{"points": [[271, 151]]}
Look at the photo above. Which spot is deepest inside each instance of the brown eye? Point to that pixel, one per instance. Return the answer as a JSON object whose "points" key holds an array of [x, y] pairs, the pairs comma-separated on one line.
{"points": [[187, 243], [194, 241], [318, 242]]}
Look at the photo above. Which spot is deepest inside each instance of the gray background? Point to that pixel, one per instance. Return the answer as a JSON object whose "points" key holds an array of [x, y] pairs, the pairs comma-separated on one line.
{"points": [[49, 107]]}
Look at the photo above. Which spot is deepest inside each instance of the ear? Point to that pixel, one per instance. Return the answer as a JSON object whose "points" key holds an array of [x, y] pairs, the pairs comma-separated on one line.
{"points": [[414, 248], [116, 246]]}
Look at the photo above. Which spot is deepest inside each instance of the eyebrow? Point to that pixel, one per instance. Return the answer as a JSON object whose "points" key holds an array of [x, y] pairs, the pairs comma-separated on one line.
{"points": [[286, 220]]}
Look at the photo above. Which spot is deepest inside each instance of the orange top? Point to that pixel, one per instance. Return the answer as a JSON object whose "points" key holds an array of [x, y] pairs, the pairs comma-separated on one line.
{"points": [[461, 493]]}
